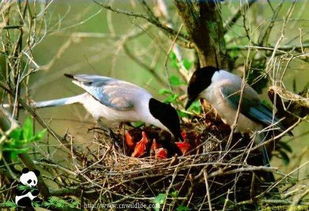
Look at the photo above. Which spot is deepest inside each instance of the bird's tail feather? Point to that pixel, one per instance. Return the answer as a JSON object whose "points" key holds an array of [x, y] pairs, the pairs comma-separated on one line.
{"points": [[269, 176], [58, 102], [53, 103]]}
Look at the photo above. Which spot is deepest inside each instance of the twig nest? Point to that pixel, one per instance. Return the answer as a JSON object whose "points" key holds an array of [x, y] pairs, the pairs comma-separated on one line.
{"points": [[205, 168]]}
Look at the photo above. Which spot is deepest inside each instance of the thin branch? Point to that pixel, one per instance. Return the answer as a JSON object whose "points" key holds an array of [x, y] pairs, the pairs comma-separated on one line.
{"points": [[184, 38], [143, 65], [263, 38], [182, 70], [237, 15], [148, 10], [282, 49], [242, 169]]}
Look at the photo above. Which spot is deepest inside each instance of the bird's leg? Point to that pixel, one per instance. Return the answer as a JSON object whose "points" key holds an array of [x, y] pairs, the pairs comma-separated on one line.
{"points": [[121, 129], [260, 138]]}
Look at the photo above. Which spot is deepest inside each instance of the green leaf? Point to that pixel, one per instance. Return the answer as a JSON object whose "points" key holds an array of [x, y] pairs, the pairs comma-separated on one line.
{"points": [[172, 56], [137, 124], [182, 208], [158, 200], [55, 202], [173, 59], [19, 138], [7, 204], [17, 150], [13, 155], [234, 53], [14, 152], [175, 64], [16, 134], [171, 99], [174, 194], [23, 187], [39, 135], [165, 91], [35, 204], [176, 81], [196, 107], [187, 64], [182, 114], [27, 129]]}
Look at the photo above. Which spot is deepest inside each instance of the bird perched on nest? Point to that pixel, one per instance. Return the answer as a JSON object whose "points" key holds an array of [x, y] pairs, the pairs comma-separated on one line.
{"points": [[223, 90], [119, 101]]}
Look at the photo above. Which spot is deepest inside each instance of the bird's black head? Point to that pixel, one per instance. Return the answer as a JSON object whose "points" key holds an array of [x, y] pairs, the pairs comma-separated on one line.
{"points": [[167, 115], [199, 81]]}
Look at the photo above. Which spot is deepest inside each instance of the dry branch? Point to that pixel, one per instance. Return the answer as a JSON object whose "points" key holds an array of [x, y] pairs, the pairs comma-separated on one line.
{"points": [[290, 96], [182, 38]]}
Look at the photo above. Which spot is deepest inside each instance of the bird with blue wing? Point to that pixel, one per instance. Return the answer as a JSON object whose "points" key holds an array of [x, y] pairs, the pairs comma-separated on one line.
{"points": [[228, 94], [119, 101]]}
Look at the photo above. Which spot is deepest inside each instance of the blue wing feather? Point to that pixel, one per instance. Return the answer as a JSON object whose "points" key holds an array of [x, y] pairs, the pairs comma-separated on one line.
{"points": [[250, 106], [110, 92]]}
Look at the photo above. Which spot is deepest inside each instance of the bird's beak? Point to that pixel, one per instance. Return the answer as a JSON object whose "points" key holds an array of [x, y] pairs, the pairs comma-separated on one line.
{"points": [[189, 102]]}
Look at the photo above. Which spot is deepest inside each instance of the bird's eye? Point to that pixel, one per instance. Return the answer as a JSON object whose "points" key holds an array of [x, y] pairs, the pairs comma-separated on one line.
{"points": [[29, 181]]}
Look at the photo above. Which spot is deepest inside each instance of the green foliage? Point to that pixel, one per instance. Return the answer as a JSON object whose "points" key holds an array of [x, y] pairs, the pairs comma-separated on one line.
{"points": [[182, 113], [20, 138], [176, 81], [174, 194], [55, 202], [173, 98], [196, 107], [234, 54], [165, 92], [170, 97], [137, 124], [182, 208], [173, 60], [8, 204], [162, 197], [159, 200], [187, 64], [25, 187]]}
